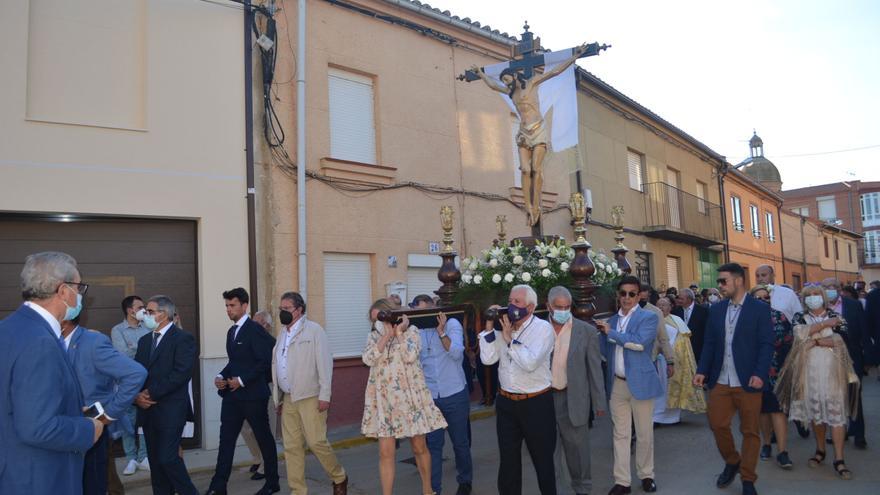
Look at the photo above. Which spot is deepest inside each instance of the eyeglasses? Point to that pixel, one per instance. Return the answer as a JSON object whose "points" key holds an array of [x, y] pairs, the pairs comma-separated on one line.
{"points": [[721, 281], [623, 293], [80, 287], [153, 311]]}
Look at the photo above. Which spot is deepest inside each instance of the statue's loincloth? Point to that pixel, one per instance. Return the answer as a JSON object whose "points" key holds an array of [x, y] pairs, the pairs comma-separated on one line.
{"points": [[533, 135]]}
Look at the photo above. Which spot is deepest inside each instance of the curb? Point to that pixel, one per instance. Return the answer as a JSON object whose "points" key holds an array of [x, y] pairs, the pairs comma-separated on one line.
{"points": [[345, 443]]}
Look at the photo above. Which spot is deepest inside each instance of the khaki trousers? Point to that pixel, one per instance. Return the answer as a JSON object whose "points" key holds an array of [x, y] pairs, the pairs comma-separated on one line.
{"points": [[304, 426], [724, 402], [626, 409]]}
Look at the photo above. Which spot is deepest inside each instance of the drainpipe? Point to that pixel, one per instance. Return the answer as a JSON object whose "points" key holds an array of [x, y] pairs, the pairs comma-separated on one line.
{"points": [[249, 152], [302, 267], [722, 171], [781, 242], [803, 251]]}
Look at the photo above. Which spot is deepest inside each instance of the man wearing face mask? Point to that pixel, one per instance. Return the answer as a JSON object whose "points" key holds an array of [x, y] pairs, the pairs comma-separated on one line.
{"points": [[578, 385], [43, 432], [781, 297], [524, 408], [857, 342], [242, 384], [169, 354], [302, 371]]}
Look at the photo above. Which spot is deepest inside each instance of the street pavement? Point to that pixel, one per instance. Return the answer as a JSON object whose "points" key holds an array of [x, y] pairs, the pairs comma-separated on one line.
{"points": [[686, 463]]}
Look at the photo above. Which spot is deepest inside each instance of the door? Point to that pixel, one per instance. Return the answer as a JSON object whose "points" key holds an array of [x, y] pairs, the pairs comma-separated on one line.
{"points": [[673, 272], [673, 179], [347, 299]]}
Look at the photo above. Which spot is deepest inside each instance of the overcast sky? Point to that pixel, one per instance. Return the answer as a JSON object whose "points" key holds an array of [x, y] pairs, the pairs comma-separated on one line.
{"points": [[805, 74]]}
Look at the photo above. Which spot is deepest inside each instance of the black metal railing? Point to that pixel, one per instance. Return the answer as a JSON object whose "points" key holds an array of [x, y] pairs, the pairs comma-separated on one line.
{"points": [[681, 215]]}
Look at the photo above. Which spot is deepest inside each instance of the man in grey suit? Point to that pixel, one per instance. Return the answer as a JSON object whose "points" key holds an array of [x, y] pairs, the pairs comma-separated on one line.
{"points": [[577, 381]]}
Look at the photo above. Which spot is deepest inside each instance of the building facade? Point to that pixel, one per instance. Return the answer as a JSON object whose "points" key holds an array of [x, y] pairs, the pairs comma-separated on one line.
{"points": [[814, 251]]}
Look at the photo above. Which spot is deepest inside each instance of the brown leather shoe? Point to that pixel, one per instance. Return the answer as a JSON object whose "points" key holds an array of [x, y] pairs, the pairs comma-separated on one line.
{"points": [[341, 488]]}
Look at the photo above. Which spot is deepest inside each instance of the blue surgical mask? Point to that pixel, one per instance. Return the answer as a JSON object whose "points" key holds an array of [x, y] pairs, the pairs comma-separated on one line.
{"points": [[73, 312], [560, 316], [831, 294], [814, 302], [150, 321]]}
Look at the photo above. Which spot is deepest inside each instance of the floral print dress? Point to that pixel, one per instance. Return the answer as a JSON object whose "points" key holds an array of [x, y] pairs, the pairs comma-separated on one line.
{"points": [[783, 338], [397, 402]]}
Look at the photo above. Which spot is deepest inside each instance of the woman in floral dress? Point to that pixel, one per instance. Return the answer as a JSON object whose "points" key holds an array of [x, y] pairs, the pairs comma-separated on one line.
{"points": [[397, 403], [773, 420], [816, 382]]}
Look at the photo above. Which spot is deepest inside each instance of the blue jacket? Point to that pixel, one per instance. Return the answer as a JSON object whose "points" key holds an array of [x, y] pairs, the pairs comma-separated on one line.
{"points": [[43, 433], [752, 342], [106, 376], [641, 374]]}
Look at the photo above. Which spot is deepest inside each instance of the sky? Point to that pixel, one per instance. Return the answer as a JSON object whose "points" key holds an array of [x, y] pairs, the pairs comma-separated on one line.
{"points": [[804, 74]]}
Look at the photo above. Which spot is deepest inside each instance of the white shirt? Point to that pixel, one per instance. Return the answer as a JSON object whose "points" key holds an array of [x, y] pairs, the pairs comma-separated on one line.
{"points": [[55, 324], [622, 322], [524, 367], [161, 333], [290, 333], [238, 326], [688, 311], [786, 301], [728, 367], [67, 339]]}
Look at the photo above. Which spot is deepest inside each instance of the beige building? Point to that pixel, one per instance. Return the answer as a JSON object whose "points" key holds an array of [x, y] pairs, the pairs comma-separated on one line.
{"points": [[814, 250], [121, 141], [391, 136]]}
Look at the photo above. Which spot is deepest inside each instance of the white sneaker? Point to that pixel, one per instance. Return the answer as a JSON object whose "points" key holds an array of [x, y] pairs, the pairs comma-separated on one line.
{"points": [[130, 468], [144, 465]]}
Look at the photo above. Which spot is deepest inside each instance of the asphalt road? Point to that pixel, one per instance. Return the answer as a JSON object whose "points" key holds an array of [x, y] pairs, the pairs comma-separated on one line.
{"points": [[686, 462]]}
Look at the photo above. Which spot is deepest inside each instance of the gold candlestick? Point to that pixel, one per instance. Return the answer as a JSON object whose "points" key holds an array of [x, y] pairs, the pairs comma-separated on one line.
{"points": [[500, 220], [578, 208], [446, 215]]}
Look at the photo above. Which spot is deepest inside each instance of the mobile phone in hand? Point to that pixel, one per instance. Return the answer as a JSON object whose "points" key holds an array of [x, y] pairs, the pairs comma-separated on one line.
{"points": [[95, 411]]}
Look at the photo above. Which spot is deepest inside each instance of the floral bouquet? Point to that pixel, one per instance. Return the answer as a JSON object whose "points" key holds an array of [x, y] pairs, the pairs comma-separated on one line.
{"points": [[487, 279]]}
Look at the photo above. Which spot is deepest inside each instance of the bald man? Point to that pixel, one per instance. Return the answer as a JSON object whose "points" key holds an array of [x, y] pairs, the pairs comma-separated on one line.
{"points": [[781, 298]]}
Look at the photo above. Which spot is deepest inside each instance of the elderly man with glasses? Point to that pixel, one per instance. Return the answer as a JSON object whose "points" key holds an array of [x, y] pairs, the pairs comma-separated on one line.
{"points": [[627, 342]]}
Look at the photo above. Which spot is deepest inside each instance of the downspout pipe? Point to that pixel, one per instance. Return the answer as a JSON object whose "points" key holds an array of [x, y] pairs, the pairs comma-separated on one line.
{"points": [[722, 172], [249, 152], [302, 267]]}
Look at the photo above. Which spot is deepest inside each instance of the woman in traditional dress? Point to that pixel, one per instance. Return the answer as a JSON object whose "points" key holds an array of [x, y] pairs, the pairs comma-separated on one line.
{"points": [[680, 394], [816, 382], [397, 403], [772, 418]]}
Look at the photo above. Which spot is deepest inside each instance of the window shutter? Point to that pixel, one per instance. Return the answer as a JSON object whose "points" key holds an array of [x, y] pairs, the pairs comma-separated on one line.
{"points": [[421, 281], [827, 210], [347, 299], [352, 126], [634, 165], [672, 271]]}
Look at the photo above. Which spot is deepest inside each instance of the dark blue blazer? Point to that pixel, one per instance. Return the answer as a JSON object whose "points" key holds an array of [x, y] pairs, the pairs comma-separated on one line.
{"points": [[250, 358], [872, 325], [43, 434], [168, 375], [752, 342], [106, 376], [858, 341]]}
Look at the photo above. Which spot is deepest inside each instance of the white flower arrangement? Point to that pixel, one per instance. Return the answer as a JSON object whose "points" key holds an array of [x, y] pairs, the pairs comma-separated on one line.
{"points": [[496, 278], [526, 277], [508, 278]]}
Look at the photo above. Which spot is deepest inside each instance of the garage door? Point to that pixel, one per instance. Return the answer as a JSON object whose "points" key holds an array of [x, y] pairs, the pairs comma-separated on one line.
{"points": [[116, 257]]}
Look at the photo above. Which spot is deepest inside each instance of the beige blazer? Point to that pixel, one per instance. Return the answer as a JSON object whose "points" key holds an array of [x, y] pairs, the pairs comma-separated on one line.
{"points": [[661, 344], [309, 364]]}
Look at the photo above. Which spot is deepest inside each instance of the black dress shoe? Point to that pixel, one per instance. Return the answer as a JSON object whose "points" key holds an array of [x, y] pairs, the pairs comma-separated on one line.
{"points": [[464, 489], [749, 488], [257, 476], [254, 468], [620, 490], [648, 485], [861, 444], [268, 490], [727, 476]]}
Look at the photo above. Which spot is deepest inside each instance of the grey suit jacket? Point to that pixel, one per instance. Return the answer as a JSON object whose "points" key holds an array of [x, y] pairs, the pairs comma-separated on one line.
{"points": [[584, 369]]}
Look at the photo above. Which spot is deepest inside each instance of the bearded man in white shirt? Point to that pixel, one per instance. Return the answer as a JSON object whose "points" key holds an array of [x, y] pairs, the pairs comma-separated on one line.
{"points": [[524, 408]]}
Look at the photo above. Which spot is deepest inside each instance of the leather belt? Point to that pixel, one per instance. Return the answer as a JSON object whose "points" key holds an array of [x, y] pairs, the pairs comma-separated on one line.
{"points": [[560, 389], [518, 397], [620, 377]]}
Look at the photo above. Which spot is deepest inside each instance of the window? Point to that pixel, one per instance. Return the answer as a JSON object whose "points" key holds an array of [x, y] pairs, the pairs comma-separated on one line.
{"points": [[635, 162], [803, 211], [352, 124], [736, 214], [796, 282], [872, 246], [849, 251], [348, 287], [836, 250], [870, 209], [702, 194], [827, 208], [673, 269], [825, 241], [771, 234], [756, 219]]}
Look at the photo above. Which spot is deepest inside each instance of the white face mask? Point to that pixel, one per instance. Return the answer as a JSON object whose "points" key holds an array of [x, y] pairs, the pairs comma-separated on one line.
{"points": [[814, 302], [379, 326], [713, 298], [139, 316]]}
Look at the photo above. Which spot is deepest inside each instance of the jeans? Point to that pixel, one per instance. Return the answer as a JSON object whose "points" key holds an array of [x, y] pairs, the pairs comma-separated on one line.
{"points": [[456, 409], [133, 450]]}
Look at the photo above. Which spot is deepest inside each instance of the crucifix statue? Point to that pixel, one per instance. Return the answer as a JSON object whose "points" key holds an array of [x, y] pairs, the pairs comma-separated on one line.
{"points": [[520, 83]]}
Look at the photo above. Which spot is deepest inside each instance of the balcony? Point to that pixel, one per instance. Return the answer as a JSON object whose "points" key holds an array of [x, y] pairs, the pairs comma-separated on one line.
{"points": [[675, 215]]}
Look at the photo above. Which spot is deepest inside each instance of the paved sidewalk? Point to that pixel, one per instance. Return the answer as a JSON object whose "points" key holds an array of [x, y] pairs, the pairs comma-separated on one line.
{"points": [[685, 458]]}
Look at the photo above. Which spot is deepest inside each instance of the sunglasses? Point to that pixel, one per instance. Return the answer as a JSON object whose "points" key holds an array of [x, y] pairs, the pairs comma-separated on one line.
{"points": [[721, 281], [623, 293]]}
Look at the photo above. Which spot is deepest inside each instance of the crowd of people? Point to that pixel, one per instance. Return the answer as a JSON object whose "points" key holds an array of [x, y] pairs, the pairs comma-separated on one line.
{"points": [[764, 353]]}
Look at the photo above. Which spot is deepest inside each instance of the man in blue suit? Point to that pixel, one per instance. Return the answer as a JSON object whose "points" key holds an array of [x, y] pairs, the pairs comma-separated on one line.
{"points": [[43, 432], [633, 384], [106, 376], [169, 354], [735, 364]]}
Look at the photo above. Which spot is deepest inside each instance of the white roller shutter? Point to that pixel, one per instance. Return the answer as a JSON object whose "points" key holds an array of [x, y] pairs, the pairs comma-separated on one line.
{"points": [[673, 267], [421, 281], [635, 167], [347, 299], [352, 126]]}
